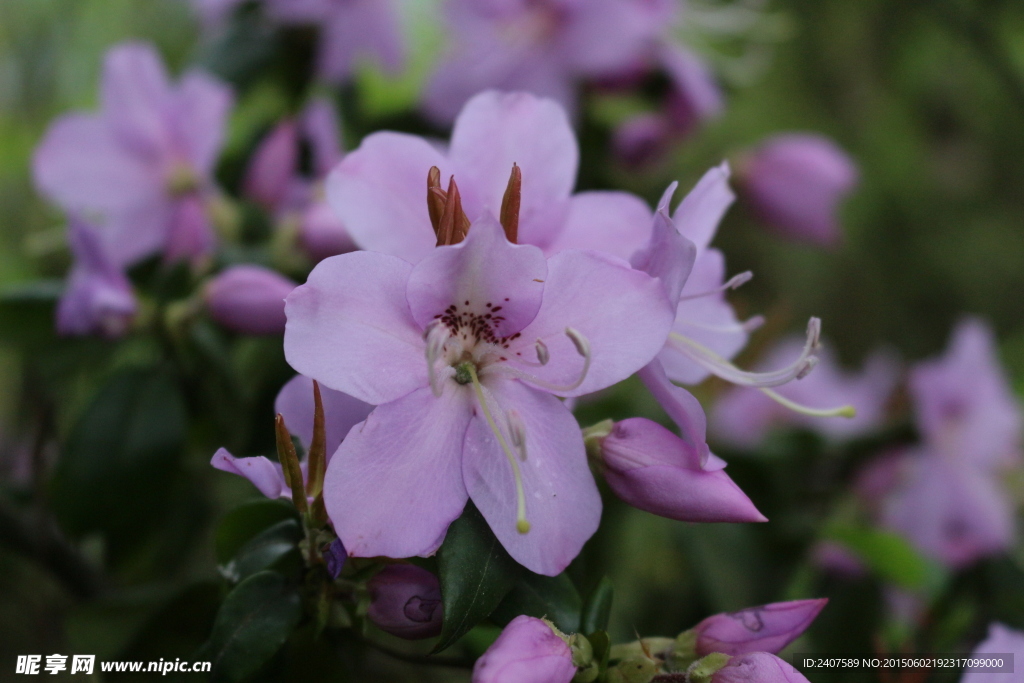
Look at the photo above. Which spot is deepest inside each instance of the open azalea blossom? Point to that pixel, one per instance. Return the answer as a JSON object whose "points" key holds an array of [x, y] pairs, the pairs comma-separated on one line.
{"points": [[742, 417], [464, 354], [98, 297], [141, 167], [377, 190], [295, 404], [543, 47], [946, 494]]}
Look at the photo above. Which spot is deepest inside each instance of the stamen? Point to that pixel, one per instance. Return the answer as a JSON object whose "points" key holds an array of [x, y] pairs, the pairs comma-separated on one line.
{"points": [[435, 335], [748, 325], [522, 525], [720, 367], [542, 353], [734, 282], [841, 411], [582, 348], [517, 432]]}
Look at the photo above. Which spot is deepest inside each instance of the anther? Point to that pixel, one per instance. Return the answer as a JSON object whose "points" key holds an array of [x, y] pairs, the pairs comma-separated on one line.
{"points": [[542, 352], [517, 432], [734, 282]]}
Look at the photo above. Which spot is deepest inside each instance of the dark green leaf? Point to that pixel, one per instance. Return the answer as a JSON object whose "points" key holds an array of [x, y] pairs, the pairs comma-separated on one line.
{"points": [[888, 554], [265, 549], [119, 460], [27, 312], [246, 522], [598, 609], [252, 624], [552, 597], [475, 574]]}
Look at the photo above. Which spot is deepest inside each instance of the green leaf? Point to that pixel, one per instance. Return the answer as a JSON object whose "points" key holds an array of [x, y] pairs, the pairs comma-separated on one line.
{"points": [[475, 574], [887, 554], [246, 522], [601, 642], [598, 609], [551, 597], [118, 464], [265, 549], [27, 312], [252, 624]]}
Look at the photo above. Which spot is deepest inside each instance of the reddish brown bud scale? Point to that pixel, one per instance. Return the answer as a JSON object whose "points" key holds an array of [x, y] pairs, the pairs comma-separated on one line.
{"points": [[290, 464], [317, 458], [510, 204], [454, 225], [436, 197]]}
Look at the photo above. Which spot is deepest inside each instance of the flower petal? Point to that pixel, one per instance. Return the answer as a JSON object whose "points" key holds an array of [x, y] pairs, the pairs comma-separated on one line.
{"points": [[201, 111], [395, 484], [264, 474], [379, 192], [349, 328], [668, 256], [683, 408], [623, 314], [137, 97], [562, 502], [341, 411], [496, 130], [698, 215], [486, 279], [616, 223]]}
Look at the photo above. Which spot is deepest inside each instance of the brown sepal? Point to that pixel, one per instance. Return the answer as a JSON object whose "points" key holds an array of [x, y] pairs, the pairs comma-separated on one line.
{"points": [[510, 205], [290, 464], [454, 225], [436, 197]]}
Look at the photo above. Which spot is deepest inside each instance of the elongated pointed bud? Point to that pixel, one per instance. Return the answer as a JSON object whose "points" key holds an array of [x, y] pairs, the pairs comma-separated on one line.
{"points": [[767, 628], [290, 464], [510, 205], [317, 459], [436, 197], [453, 225]]}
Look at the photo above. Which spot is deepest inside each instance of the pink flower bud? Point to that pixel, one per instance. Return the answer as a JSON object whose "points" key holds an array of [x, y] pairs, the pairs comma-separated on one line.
{"points": [[249, 299], [527, 651], [758, 667], [767, 628], [273, 165], [405, 601], [795, 183], [322, 232], [652, 469]]}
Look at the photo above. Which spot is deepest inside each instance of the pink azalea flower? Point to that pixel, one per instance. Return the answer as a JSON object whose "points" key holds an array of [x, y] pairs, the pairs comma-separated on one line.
{"points": [[946, 495], [795, 183], [963, 404], [377, 190], [742, 417], [98, 297], [295, 404], [527, 651], [767, 628], [1001, 640], [541, 46], [464, 353], [142, 165]]}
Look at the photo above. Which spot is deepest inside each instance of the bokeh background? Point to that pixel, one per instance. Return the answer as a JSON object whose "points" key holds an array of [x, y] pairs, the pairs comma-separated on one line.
{"points": [[926, 95]]}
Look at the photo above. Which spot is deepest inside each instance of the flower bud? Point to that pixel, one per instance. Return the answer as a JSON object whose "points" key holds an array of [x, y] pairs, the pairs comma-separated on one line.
{"points": [[273, 166], [322, 233], [695, 96], [761, 667], [405, 601], [248, 299], [767, 628], [334, 557], [527, 651], [652, 469], [98, 297], [794, 182]]}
